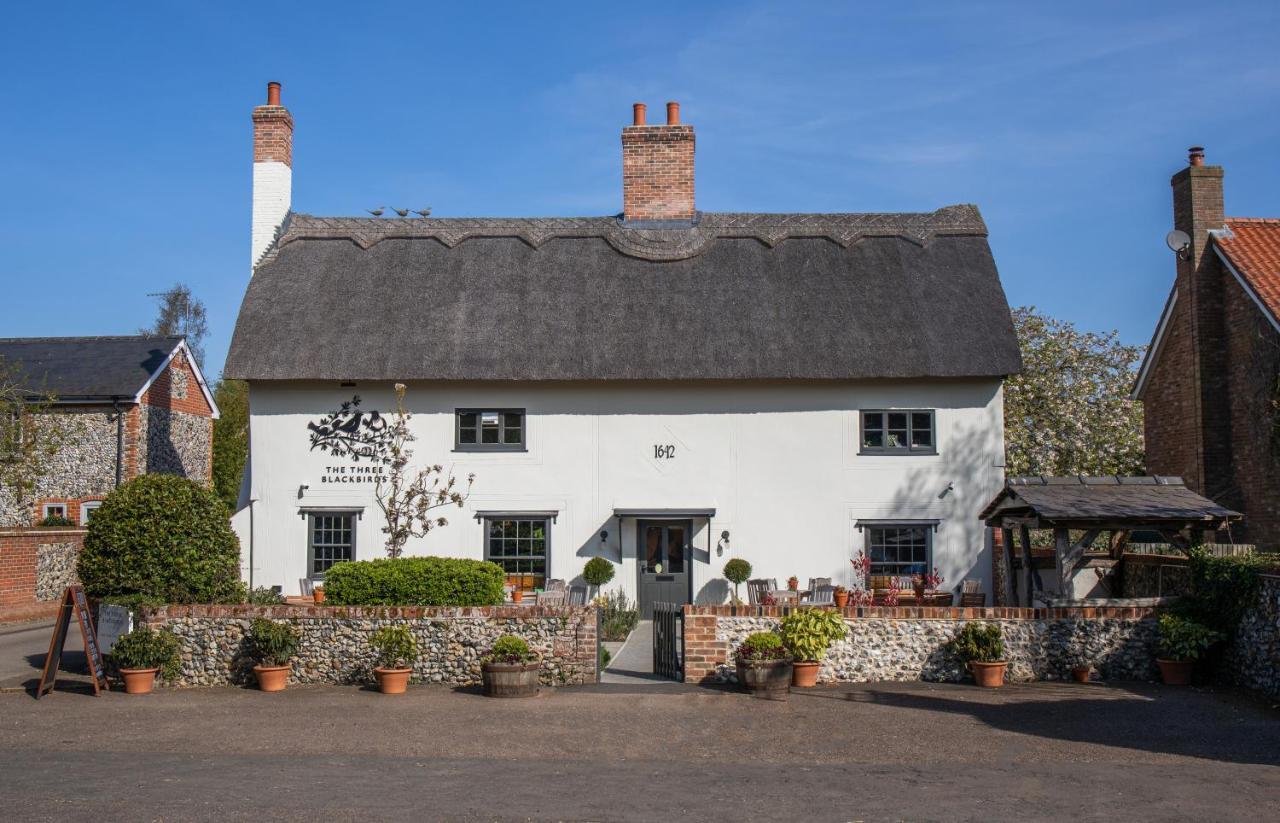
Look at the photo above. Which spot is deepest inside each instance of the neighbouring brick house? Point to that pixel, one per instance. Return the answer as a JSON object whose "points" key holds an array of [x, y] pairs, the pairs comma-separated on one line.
{"points": [[132, 405], [1210, 383]]}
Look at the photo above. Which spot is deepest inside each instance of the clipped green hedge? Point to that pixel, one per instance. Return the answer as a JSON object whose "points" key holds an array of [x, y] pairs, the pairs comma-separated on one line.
{"points": [[164, 538], [414, 581]]}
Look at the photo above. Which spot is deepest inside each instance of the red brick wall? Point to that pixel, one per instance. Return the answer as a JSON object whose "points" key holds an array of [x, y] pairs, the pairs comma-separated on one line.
{"points": [[1169, 403], [162, 394], [18, 550], [272, 135], [657, 172]]}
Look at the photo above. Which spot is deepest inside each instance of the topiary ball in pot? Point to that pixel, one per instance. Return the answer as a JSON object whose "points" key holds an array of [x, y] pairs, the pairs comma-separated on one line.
{"points": [[737, 571], [597, 572], [165, 537]]}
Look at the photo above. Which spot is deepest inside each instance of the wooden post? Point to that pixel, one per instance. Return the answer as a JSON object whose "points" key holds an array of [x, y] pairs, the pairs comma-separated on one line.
{"points": [[1011, 578], [1062, 548], [1033, 576]]}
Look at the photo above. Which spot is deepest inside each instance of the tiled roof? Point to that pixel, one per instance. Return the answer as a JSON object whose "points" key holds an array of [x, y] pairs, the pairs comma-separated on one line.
{"points": [[1079, 500], [1252, 244], [87, 367]]}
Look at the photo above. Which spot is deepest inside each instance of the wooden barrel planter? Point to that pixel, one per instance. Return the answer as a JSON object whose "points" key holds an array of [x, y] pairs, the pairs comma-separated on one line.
{"points": [[766, 680], [510, 679]]}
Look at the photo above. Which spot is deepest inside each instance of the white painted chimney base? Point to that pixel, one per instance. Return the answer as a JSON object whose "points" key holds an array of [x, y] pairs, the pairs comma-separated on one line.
{"points": [[272, 196]]}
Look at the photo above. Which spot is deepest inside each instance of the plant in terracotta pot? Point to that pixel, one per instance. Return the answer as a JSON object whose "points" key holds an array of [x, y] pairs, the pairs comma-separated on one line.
{"points": [[1080, 670], [981, 647], [793, 583], [737, 571], [807, 634], [841, 597], [272, 646], [396, 651], [510, 669], [142, 653], [317, 594], [764, 666], [1182, 641]]}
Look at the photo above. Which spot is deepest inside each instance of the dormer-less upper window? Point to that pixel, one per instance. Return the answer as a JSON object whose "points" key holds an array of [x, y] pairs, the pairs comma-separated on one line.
{"points": [[893, 431], [490, 430]]}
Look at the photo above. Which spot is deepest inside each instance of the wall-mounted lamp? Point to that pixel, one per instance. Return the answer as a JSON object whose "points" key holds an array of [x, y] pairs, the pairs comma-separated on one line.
{"points": [[948, 490], [302, 490], [604, 538], [724, 541]]}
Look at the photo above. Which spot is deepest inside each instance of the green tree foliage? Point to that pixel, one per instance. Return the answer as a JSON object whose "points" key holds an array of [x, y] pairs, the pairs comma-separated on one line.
{"points": [[181, 313], [164, 537], [414, 581], [230, 439], [1069, 411], [30, 438], [597, 571]]}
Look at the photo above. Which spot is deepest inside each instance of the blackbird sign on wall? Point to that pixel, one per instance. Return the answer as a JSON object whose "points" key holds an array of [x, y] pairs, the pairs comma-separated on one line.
{"points": [[361, 438]]}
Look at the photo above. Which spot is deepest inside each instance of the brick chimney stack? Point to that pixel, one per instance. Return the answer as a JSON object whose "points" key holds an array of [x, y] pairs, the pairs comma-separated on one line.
{"points": [[272, 170], [657, 168]]}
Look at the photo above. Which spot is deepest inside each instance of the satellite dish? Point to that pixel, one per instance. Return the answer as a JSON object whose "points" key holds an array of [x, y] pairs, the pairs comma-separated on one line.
{"points": [[1178, 241]]}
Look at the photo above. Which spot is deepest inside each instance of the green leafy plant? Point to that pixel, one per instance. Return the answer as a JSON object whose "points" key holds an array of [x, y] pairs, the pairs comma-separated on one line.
{"points": [[1184, 639], [597, 572], [414, 581], [510, 650], [161, 536], [271, 643], [30, 439], [808, 633], [978, 643], [57, 520], [395, 647], [761, 647], [147, 648], [261, 596], [737, 571], [618, 616], [1222, 589]]}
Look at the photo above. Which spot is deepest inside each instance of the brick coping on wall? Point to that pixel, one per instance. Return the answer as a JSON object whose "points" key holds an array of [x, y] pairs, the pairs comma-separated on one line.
{"points": [[1139, 609], [52, 531], [248, 612]]}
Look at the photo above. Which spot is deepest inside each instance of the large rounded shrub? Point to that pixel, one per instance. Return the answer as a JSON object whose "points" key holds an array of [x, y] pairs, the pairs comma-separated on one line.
{"points": [[161, 537]]}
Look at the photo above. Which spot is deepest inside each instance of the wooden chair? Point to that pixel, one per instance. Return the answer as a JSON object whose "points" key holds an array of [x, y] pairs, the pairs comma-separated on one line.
{"points": [[554, 585], [577, 595], [971, 594], [822, 595], [816, 582], [555, 598], [756, 591]]}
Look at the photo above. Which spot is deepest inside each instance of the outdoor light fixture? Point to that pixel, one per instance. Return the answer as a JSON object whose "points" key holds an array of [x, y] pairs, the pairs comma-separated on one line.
{"points": [[724, 539], [302, 489], [604, 538]]}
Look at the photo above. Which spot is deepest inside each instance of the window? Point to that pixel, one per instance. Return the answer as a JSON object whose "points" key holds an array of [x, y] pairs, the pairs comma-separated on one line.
{"points": [[898, 432], [332, 539], [87, 508], [490, 430], [519, 546], [48, 510], [899, 550]]}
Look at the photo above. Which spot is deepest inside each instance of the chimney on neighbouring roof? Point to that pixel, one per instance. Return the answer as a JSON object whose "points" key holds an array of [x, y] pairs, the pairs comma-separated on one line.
{"points": [[657, 168], [1197, 205], [272, 170]]}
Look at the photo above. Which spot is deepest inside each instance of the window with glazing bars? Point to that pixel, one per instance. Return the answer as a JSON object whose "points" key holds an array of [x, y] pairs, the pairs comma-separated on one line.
{"points": [[898, 432], [332, 540], [519, 546], [489, 430], [899, 550]]}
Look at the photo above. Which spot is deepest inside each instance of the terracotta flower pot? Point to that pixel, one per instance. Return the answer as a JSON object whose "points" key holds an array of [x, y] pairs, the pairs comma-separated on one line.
{"points": [[510, 679], [842, 600], [1175, 672], [138, 681], [392, 681], [517, 596], [793, 584], [317, 595], [1080, 674], [805, 674], [766, 679], [919, 591], [988, 675], [272, 678]]}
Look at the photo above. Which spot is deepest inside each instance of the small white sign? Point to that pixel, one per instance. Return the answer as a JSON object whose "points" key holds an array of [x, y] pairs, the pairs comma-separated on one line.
{"points": [[113, 623]]}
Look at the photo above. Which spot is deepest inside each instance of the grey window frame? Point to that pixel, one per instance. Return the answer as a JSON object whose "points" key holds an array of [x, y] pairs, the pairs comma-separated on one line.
{"points": [[500, 446], [516, 517], [353, 514], [929, 527], [86, 509], [906, 449]]}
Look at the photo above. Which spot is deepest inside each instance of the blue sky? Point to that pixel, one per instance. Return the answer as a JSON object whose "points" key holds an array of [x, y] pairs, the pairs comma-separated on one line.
{"points": [[125, 135]]}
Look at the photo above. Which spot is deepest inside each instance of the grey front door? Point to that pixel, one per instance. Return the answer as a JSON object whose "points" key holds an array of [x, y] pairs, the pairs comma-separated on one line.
{"points": [[662, 552]]}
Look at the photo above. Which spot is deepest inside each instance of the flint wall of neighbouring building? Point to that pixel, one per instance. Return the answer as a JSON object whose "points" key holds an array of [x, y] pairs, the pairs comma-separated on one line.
{"points": [[36, 565], [910, 643], [1254, 656], [335, 641]]}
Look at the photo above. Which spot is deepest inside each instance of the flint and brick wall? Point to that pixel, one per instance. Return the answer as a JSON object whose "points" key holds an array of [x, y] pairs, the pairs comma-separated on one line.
{"points": [[1254, 657], [335, 641], [910, 643], [36, 565]]}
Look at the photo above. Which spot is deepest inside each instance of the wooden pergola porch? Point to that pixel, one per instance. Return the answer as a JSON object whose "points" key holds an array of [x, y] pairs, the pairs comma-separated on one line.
{"points": [[1091, 506]]}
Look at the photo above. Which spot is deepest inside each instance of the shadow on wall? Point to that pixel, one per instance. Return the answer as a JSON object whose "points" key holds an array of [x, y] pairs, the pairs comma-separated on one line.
{"points": [[162, 453], [954, 491]]}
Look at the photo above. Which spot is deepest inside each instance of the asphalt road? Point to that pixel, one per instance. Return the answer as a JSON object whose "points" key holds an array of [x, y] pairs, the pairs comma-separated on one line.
{"points": [[23, 647], [883, 752]]}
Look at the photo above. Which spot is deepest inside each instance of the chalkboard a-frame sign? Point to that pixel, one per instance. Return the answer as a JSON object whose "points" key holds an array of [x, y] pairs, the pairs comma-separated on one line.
{"points": [[73, 601]]}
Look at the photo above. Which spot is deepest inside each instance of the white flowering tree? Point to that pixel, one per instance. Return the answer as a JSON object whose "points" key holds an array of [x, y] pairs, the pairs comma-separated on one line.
{"points": [[410, 502], [1069, 411], [30, 439]]}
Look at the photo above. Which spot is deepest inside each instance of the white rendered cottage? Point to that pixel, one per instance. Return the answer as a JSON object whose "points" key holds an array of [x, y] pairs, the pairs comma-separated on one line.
{"points": [[665, 388]]}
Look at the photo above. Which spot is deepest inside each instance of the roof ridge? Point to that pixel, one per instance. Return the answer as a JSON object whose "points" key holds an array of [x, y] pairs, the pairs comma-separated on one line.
{"points": [[92, 337], [1270, 221]]}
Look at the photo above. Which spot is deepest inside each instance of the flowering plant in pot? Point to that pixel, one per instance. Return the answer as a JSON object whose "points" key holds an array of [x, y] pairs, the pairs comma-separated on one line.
{"points": [[1182, 641], [142, 653], [510, 669], [272, 646], [764, 666], [981, 647], [861, 567], [807, 634], [396, 652]]}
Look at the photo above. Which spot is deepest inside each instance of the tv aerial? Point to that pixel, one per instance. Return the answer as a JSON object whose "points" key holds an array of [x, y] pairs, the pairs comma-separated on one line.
{"points": [[1179, 242]]}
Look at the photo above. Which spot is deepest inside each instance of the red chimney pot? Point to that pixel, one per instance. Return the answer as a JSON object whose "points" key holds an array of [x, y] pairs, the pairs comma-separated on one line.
{"points": [[1196, 155], [273, 94], [673, 114], [637, 114]]}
